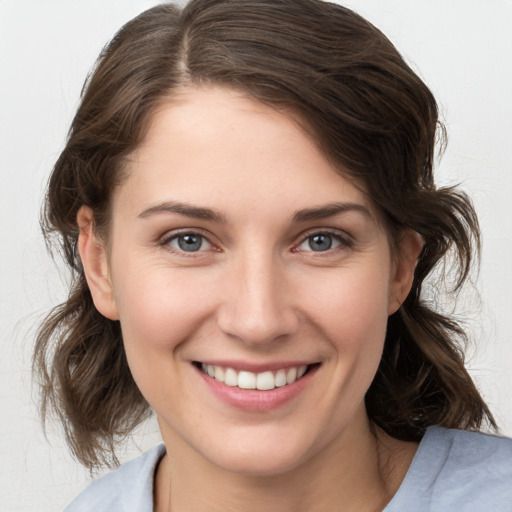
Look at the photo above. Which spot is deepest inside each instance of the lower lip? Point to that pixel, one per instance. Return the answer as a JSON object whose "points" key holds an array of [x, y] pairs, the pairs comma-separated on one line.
{"points": [[252, 400]]}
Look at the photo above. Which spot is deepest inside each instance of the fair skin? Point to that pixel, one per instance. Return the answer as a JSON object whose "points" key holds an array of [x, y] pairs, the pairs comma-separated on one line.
{"points": [[234, 243]]}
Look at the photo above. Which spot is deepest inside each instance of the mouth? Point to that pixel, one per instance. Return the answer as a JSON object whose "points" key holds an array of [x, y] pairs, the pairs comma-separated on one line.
{"points": [[262, 381]]}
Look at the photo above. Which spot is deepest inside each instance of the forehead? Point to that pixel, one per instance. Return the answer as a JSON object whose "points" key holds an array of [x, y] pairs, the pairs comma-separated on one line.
{"points": [[212, 144]]}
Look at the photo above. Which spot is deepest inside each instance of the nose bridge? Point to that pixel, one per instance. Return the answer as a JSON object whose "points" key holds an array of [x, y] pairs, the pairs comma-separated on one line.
{"points": [[257, 309]]}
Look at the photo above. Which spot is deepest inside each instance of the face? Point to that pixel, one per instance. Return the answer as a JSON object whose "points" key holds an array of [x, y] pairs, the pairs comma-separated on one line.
{"points": [[239, 259]]}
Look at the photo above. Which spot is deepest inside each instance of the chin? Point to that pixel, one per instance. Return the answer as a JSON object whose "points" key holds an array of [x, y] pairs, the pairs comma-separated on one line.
{"points": [[262, 458], [261, 466]]}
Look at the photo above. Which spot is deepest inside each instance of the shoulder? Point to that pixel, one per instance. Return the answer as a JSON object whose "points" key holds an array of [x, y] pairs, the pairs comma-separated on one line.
{"points": [[461, 443], [458, 470], [128, 488], [483, 456]]}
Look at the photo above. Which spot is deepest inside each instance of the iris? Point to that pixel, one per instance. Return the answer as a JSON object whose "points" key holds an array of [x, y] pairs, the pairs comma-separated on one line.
{"points": [[320, 242]]}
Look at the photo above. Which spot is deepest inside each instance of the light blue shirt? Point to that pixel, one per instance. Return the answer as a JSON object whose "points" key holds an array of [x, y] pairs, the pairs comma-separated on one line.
{"points": [[452, 471], [457, 471]]}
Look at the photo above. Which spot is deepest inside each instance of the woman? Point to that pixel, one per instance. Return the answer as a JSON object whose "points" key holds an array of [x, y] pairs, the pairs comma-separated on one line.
{"points": [[247, 201]]}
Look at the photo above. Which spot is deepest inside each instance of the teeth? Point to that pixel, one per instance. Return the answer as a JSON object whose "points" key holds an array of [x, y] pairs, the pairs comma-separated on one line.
{"points": [[219, 373], [231, 377], [248, 380], [291, 375], [265, 381], [280, 378]]}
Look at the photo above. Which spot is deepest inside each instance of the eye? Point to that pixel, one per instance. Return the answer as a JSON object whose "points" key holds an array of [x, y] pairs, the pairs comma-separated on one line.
{"points": [[189, 242], [321, 242]]}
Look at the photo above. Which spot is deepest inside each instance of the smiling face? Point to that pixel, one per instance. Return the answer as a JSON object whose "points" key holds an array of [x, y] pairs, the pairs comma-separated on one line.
{"points": [[240, 259]]}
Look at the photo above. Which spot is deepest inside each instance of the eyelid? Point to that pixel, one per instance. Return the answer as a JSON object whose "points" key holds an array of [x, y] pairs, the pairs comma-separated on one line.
{"points": [[346, 241], [169, 236]]}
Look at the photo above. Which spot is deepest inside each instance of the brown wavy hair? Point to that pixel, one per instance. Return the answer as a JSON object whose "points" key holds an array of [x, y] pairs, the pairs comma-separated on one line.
{"points": [[369, 113]]}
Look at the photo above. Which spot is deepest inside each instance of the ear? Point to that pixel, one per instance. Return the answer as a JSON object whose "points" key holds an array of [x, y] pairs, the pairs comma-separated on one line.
{"points": [[95, 264], [404, 263]]}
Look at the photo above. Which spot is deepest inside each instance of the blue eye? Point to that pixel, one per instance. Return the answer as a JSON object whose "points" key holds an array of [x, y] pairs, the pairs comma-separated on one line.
{"points": [[320, 242], [189, 242]]}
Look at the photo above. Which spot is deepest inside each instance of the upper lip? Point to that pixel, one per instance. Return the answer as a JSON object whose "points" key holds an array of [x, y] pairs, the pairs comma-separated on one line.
{"points": [[256, 367]]}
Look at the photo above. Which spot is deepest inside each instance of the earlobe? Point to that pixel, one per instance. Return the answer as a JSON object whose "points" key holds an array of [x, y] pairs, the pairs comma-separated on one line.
{"points": [[95, 264], [402, 277]]}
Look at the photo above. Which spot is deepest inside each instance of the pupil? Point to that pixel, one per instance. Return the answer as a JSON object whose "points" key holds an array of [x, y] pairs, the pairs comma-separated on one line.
{"points": [[320, 242], [190, 243]]}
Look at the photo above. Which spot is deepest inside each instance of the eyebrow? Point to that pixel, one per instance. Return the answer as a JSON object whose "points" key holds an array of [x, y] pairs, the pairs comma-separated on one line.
{"points": [[307, 214], [184, 209], [330, 210]]}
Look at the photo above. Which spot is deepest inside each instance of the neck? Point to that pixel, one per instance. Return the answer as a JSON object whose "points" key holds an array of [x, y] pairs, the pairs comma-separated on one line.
{"points": [[359, 471]]}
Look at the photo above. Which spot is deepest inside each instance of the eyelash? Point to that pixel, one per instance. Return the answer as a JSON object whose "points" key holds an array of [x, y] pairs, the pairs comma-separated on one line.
{"points": [[344, 242], [169, 238]]}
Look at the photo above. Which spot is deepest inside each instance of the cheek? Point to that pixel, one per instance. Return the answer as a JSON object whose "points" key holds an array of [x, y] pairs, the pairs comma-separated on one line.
{"points": [[161, 309], [159, 315], [351, 306]]}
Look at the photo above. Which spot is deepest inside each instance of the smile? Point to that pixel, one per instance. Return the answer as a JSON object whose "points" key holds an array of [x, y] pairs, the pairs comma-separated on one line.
{"points": [[263, 381]]}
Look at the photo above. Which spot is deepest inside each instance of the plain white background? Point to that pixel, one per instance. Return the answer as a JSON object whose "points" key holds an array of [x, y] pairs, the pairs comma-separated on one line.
{"points": [[462, 49]]}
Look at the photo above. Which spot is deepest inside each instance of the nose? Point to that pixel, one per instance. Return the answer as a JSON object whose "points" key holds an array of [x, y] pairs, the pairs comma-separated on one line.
{"points": [[257, 307]]}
